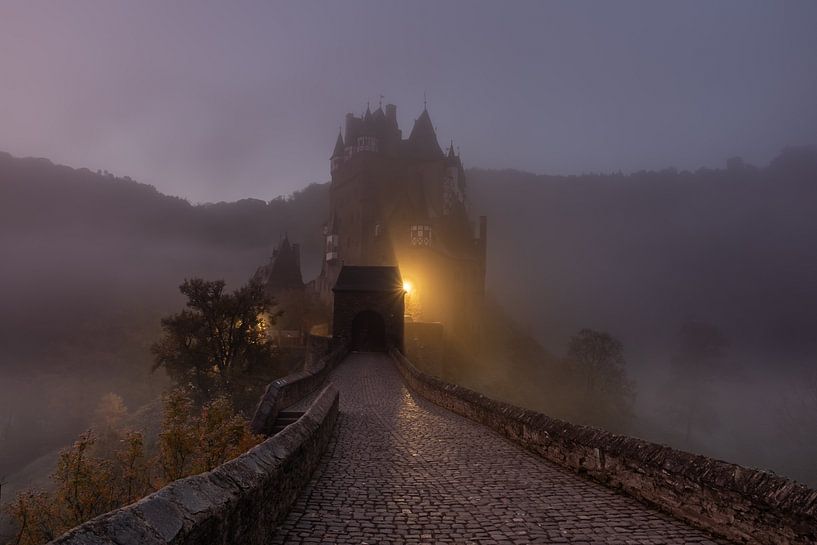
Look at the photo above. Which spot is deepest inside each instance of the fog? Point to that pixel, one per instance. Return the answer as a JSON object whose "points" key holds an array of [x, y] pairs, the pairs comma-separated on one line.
{"points": [[641, 255], [222, 101], [93, 262], [653, 98]]}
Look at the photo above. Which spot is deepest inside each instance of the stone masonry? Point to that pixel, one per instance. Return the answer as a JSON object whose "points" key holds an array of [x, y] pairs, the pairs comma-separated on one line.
{"points": [[738, 503], [400, 469]]}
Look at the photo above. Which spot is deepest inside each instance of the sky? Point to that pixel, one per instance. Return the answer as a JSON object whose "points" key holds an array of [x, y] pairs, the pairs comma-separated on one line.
{"points": [[216, 101]]}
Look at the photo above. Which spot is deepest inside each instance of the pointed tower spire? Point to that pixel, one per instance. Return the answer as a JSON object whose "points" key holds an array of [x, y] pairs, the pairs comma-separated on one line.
{"points": [[423, 139], [339, 146], [451, 148]]}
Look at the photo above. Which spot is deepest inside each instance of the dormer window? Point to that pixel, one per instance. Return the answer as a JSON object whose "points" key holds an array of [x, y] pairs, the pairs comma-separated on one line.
{"points": [[420, 235]]}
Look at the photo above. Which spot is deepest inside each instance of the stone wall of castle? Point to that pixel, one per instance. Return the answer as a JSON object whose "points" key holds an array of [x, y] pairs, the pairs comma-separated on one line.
{"points": [[348, 305]]}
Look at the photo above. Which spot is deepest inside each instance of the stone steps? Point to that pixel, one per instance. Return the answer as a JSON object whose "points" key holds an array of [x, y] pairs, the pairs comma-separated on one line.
{"points": [[284, 419]]}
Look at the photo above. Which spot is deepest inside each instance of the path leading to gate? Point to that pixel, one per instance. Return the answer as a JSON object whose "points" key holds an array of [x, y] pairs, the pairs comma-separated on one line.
{"points": [[403, 470]]}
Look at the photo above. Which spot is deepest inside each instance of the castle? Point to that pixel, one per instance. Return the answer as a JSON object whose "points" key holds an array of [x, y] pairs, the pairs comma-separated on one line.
{"points": [[402, 202]]}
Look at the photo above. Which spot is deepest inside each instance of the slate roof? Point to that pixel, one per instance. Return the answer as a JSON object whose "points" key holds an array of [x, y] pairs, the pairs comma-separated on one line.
{"points": [[284, 270], [377, 279], [423, 139]]}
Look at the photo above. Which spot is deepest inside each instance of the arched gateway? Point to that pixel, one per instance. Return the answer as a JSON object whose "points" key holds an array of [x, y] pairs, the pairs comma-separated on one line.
{"points": [[368, 332], [368, 309]]}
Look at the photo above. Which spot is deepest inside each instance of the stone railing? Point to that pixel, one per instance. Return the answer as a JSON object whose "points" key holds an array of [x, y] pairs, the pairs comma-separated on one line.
{"points": [[238, 502], [741, 504], [290, 389]]}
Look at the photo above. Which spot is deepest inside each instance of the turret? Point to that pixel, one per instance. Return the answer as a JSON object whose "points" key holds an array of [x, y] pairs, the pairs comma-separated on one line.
{"points": [[337, 154], [423, 139], [284, 270]]}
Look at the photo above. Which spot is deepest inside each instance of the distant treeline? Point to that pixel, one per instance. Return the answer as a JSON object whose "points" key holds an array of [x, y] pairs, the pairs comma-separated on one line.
{"points": [[37, 195], [89, 263], [735, 246], [639, 254]]}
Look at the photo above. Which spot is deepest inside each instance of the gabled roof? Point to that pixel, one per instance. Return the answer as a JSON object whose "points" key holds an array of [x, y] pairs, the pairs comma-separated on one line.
{"points": [[376, 279], [423, 139]]}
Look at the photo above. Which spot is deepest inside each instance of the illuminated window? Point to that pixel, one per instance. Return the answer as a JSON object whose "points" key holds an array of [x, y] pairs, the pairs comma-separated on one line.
{"points": [[421, 235]]}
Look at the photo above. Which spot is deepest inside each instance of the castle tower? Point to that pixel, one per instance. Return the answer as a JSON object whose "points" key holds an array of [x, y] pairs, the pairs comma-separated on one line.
{"points": [[337, 154], [283, 272], [402, 202]]}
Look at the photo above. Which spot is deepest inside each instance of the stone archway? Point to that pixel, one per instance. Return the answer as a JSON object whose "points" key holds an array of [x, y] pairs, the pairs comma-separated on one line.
{"points": [[368, 308], [368, 332]]}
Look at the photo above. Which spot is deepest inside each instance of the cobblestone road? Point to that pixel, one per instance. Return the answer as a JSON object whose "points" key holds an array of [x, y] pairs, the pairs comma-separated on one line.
{"points": [[402, 470]]}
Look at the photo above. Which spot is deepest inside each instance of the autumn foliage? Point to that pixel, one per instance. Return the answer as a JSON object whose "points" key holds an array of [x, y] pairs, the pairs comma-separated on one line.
{"points": [[110, 468]]}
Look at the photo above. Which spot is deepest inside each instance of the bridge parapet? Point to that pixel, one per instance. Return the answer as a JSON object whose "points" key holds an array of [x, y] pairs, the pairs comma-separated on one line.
{"points": [[741, 504], [286, 391], [240, 501]]}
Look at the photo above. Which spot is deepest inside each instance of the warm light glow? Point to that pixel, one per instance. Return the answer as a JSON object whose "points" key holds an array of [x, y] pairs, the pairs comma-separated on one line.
{"points": [[407, 286]]}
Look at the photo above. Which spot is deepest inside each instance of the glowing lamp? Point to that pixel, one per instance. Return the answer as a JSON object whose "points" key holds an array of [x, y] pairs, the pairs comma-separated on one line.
{"points": [[407, 287]]}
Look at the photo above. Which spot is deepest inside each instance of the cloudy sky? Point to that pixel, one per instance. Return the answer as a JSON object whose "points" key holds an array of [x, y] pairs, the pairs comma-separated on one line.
{"points": [[224, 100]]}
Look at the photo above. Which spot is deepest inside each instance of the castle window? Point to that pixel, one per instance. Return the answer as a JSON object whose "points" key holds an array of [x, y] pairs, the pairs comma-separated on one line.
{"points": [[367, 143], [332, 247], [421, 235]]}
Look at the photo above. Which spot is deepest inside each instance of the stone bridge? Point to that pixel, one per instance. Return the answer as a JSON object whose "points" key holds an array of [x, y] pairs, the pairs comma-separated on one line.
{"points": [[374, 451], [400, 469]]}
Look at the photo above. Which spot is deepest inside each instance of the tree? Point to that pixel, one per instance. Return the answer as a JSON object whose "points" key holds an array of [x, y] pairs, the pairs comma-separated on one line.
{"points": [[131, 472], [177, 440], [33, 513], [107, 422], [219, 336], [191, 443], [699, 360], [598, 360], [87, 485], [83, 482]]}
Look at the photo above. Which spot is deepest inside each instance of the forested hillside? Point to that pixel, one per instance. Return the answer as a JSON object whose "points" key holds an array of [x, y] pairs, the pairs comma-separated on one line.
{"points": [[91, 262]]}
